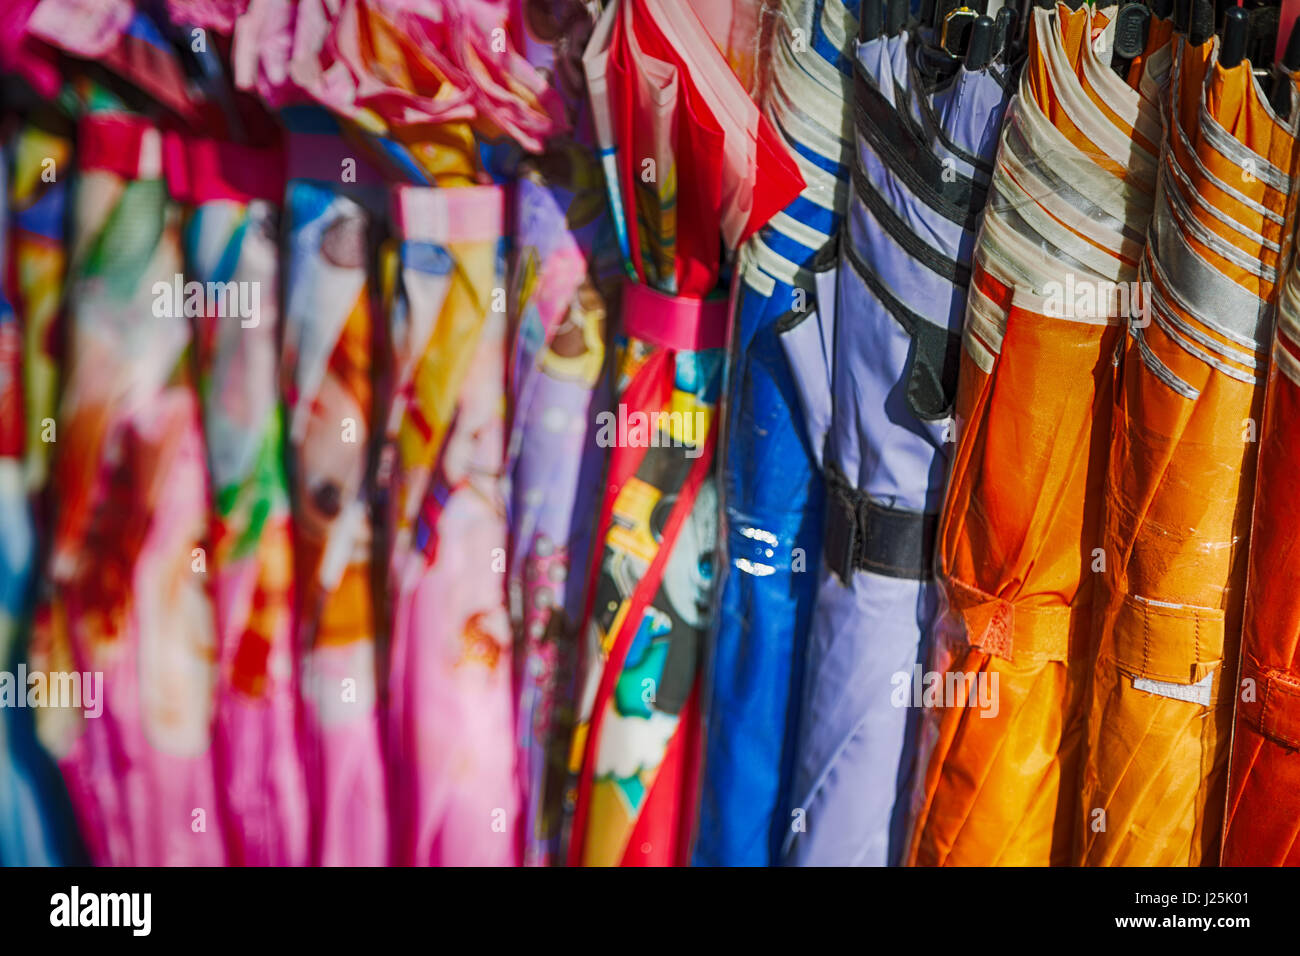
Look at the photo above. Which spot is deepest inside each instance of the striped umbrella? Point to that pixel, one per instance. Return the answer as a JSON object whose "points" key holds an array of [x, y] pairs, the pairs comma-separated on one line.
{"points": [[1178, 495], [1053, 267], [772, 490]]}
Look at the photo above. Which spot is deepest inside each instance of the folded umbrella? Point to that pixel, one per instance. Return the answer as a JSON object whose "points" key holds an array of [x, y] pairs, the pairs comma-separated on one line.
{"points": [[454, 796], [230, 243], [1182, 470], [28, 810], [772, 494], [689, 143], [564, 261], [926, 129], [35, 265], [129, 609], [558, 385], [1071, 195], [1260, 822], [329, 344]]}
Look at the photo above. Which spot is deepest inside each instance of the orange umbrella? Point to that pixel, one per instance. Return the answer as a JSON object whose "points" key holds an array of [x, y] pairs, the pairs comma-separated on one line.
{"points": [[1062, 235], [1182, 464]]}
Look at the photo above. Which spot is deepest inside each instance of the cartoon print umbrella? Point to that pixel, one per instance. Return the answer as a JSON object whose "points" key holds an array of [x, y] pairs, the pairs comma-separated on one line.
{"points": [[28, 817], [1179, 489], [36, 263], [565, 256], [688, 143], [129, 583], [329, 344], [231, 244], [455, 799], [1002, 695]]}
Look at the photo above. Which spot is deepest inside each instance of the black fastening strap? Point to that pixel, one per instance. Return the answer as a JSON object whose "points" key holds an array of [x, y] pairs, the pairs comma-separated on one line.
{"points": [[864, 535]]}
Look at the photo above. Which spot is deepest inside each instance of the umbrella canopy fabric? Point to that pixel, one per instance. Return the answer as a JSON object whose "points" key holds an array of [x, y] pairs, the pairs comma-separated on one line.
{"points": [[772, 494], [1180, 485], [129, 573], [454, 797], [231, 245], [29, 834], [1263, 772], [563, 272], [687, 145], [1071, 197], [329, 345], [36, 263], [921, 168], [559, 385]]}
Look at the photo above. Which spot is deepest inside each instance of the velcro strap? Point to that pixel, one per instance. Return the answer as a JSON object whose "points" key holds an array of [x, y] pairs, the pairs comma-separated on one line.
{"points": [[1016, 630], [864, 535], [1274, 707], [1169, 643]]}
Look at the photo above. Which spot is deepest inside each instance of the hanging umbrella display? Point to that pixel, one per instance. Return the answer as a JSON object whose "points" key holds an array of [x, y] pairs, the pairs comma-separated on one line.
{"points": [[689, 142], [561, 290], [129, 598], [433, 87], [926, 128], [413, 102], [1002, 698], [772, 496], [1182, 466]]}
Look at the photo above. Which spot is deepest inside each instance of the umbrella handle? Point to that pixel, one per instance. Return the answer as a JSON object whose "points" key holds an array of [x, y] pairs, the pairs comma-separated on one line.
{"points": [[1233, 48]]}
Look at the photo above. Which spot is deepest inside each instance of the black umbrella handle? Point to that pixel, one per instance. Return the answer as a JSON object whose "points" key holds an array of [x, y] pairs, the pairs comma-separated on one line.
{"points": [[895, 17], [1279, 96], [1132, 26], [1233, 48], [979, 44], [1202, 26], [871, 20]]}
